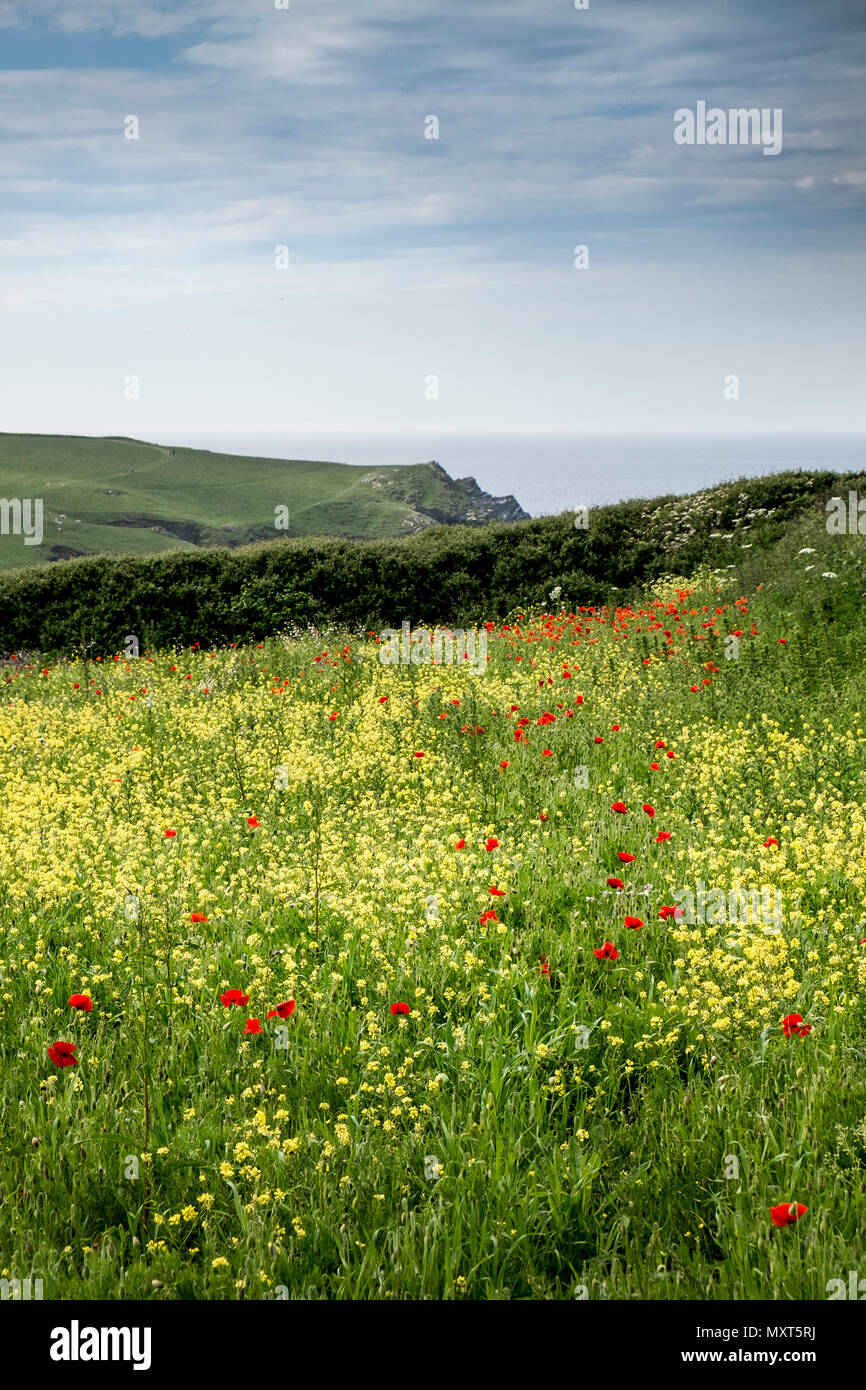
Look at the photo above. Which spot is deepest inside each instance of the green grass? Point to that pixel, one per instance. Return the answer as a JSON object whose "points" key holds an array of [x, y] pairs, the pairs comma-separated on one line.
{"points": [[562, 1169]]}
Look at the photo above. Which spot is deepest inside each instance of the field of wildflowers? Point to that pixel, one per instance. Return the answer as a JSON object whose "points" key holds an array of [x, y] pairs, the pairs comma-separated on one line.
{"points": [[329, 979]]}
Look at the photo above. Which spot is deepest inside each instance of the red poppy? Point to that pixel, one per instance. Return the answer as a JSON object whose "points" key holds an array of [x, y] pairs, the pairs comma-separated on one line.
{"points": [[675, 912], [615, 728], [61, 1054], [669, 754], [419, 755], [598, 740], [253, 1026], [793, 1026], [786, 1213], [197, 917], [82, 1002], [616, 883], [283, 1010], [492, 844], [606, 952], [544, 966], [654, 767], [234, 996], [503, 765], [253, 822], [170, 834], [662, 836], [650, 810], [383, 698], [488, 917], [624, 857], [460, 844], [400, 1008], [769, 842], [543, 816], [660, 743], [620, 807], [547, 752], [497, 892], [634, 922]]}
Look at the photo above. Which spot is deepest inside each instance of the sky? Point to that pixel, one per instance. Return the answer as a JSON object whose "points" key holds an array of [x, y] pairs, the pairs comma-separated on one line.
{"points": [[410, 258]]}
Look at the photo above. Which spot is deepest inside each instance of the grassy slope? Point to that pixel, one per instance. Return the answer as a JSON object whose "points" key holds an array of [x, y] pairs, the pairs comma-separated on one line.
{"points": [[77, 475]]}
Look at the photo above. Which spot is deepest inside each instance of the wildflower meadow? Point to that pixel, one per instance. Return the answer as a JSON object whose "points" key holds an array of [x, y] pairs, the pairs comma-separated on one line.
{"points": [[542, 976]]}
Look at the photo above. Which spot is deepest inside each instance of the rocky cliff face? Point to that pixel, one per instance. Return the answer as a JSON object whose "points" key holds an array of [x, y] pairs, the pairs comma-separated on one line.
{"points": [[437, 499]]}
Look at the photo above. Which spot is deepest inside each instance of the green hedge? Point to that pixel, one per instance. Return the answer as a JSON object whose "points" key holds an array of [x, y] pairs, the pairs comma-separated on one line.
{"points": [[454, 575]]}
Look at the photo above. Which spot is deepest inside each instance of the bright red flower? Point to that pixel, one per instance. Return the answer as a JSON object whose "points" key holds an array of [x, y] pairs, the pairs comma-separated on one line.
{"points": [[400, 1008], [543, 816], [419, 755], [170, 834], [654, 767], [488, 917], [660, 743], [283, 1010], [634, 922], [620, 807], [544, 966], [662, 836], [253, 822], [669, 754], [503, 765], [786, 1213], [615, 728], [598, 740], [769, 842], [197, 917], [61, 1054], [606, 952], [82, 1002], [793, 1026], [624, 857], [497, 892], [234, 996], [650, 810], [492, 844], [547, 753], [675, 912], [460, 844], [253, 1026], [616, 883]]}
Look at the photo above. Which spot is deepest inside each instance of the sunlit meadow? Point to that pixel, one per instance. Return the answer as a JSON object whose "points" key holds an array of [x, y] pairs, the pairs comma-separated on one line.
{"points": [[373, 993]]}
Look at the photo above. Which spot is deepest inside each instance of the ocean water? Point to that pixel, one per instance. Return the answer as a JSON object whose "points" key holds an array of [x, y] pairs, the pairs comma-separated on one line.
{"points": [[554, 473]]}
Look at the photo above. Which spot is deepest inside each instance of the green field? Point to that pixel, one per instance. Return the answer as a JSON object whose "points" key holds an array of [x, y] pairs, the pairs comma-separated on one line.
{"points": [[124, 496], [580, 1095]]}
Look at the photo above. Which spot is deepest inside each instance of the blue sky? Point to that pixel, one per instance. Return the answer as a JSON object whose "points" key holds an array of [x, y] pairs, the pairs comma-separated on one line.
{"points": [[412, 258]]}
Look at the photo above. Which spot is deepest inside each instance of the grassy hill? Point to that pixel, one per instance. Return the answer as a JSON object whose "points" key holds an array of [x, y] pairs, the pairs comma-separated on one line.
{"points": [[125, 496]]}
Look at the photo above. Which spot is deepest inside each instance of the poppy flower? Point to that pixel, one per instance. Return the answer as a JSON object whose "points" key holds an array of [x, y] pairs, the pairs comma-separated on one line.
{"points": [[660, 743], [253, 1026], [460, 844], [770, 841], [488, 917], [497, 892], [793, 1026], [253, 822], [170, 834], [786, 1213], [61, 1054], [616, 883], [547, 753], [650, 810], [400, 1008], [382, 699], [598, 740], [669, 754], [82, 1002], [234, 996], [662, 836], [624, 857], [675, 912], [283, 1010], [197, 917], [615, 728], [606, 952], [634, 922], [620, 807], [654, 767], [492, 844], [544, 965], [542, 815], [418, 755], [503, 765]]}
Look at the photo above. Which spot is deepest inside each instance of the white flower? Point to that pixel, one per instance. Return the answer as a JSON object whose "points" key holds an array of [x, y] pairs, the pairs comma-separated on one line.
{"points": [[807, 550], [828, 574]]}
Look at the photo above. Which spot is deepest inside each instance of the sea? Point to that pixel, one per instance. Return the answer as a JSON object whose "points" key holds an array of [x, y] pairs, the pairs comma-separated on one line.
{"points": [[550, 473]]}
